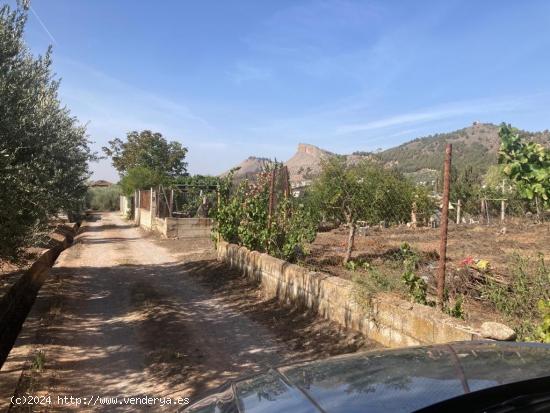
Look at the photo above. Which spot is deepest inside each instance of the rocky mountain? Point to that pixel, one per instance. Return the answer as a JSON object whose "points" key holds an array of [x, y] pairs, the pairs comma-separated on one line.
{"points": [[305, 164], [249, 167]]}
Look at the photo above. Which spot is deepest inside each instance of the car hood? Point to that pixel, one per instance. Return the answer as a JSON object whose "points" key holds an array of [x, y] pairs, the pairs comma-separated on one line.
{"points": [[381, 381]]}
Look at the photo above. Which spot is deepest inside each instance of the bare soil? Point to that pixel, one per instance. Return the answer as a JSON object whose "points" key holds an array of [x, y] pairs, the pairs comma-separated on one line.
{"points": [[132, 315], [490, 243]]}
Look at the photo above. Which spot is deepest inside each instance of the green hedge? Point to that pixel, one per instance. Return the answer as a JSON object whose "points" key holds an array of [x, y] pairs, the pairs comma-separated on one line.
{"points": [[103, 199]]}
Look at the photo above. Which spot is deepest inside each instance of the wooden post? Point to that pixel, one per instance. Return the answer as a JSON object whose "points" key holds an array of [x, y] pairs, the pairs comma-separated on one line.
{"points": [[482, 212], [502, 205], [219, 198], [152, 201], [458, 211], [286, 191], [413, 215], [137, 206], [444, 228], [271, 203], [171, 208]]}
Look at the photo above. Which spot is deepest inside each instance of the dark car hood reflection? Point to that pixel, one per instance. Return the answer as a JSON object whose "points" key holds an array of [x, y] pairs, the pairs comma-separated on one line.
{"points": [[394, 380]]}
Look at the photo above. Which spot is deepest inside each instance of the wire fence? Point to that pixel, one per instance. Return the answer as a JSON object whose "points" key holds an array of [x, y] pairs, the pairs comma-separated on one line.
{"points": [[187, 201]]}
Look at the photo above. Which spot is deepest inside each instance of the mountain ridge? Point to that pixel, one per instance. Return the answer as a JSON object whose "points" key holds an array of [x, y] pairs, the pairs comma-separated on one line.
{"points": [[475, 145]]}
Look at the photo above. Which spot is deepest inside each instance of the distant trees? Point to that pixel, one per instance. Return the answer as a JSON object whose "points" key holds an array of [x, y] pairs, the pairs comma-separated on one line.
{"points": [[103, 198], [146, 159], [43, 149], [141, 177], [466, 187], [527, 164]]}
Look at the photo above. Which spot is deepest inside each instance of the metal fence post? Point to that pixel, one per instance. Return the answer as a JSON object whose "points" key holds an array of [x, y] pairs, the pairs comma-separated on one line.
{"points": [[444, 228]]}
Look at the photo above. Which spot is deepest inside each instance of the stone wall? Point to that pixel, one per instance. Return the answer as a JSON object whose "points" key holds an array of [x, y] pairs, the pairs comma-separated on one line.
{"points": [[187, 227], [176, 227], [389, 320]]}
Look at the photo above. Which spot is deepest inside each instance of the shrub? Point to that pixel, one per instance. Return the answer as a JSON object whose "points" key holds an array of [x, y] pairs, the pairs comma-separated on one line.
{"points": [[418, 288], [243, 218], [519, 301], [542, 332], [103, 199]]}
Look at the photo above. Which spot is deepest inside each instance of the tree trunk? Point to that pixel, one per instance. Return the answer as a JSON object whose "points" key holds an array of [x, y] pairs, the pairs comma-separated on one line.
{"points": [[537, 206], [351, 239]]}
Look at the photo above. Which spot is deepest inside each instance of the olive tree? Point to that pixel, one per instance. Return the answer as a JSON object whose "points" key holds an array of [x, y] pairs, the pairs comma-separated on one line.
{"points": [[362, 192], [44, 151]]}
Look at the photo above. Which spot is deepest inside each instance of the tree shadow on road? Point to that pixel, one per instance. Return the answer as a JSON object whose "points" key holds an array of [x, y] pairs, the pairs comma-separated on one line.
{"points": [[168, 329]]}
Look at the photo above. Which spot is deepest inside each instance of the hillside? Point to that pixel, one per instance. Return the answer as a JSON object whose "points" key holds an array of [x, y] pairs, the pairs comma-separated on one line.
{"points": [[475, 145], [421, 159]]}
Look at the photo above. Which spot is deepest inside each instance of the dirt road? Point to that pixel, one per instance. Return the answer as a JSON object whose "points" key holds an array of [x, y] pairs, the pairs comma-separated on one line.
{"points": [[131, 315]]}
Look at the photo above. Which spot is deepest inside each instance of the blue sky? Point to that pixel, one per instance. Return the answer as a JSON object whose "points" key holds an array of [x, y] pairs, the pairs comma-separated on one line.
{"points": [[230, 79]]}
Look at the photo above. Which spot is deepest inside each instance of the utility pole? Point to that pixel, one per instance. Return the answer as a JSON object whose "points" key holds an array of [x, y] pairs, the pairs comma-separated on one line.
{"points": [[444, 228]]}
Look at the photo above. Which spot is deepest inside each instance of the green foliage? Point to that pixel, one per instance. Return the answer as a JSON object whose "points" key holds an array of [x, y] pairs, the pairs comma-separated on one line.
{"points": [[542, 332], [365, 192], [43, 150], [354, 265], [242, 218], [228, 213], [496, 185], [294, 228], [456, 310], [141, 177], [351, 265], [149, 150], [103, 198], [466, 186], [417, 287], [518, 301], [423, 203], [372, 281], [472, 147], [188, 202], [253, 231], [525, 163], [39, 361]]}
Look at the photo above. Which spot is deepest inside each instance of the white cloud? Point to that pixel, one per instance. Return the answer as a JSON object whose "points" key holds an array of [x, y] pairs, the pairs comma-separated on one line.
{"points": [[477, 108]]}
